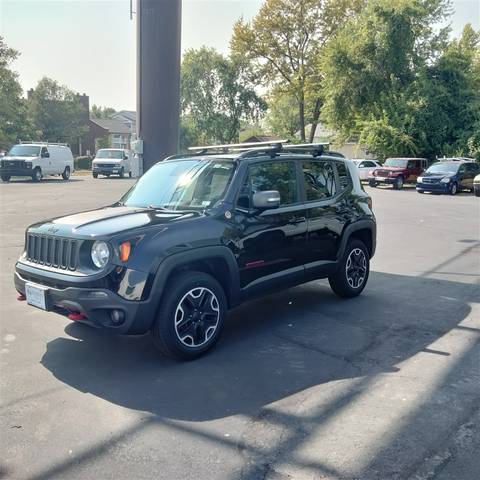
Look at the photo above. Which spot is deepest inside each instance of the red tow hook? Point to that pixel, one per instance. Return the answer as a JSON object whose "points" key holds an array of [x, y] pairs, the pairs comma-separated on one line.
{"points": [[21, 298], [76, 316]]}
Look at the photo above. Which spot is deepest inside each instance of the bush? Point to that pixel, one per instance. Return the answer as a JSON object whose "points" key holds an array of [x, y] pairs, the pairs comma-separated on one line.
{"points": [[83, 163]]}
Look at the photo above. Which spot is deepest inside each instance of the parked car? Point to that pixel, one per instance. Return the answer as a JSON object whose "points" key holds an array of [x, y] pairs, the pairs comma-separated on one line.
{"points": [[365, 166], [476, 185], [37, 160], [397, 172], [198, 235], [448, 177], [112, 161]]}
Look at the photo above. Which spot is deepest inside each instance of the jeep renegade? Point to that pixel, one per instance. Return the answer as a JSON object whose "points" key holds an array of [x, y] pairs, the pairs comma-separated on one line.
{"points": [[199, 234]]}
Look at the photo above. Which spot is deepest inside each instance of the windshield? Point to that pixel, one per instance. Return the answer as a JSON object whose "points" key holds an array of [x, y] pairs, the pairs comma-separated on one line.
{"points": [[443, 168], [190, 184], [109, 154], [24, 151], [396, 162]]}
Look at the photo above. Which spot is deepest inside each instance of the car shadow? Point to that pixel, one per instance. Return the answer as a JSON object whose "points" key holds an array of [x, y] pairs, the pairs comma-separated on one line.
{"points": [[14, 181], [270, 349]]}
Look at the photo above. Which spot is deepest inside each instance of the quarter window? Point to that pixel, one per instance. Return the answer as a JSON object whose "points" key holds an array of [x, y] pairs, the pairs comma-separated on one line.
{"points": [[343, 176], [278, 176], [319, 180]]}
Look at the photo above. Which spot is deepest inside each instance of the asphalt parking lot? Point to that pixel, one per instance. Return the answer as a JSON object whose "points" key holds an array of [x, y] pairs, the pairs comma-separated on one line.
{"points": [[302, 385]]}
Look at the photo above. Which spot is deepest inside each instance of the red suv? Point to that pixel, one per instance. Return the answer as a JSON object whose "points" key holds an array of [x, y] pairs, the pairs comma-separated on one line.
{"points": [[397, 171]]}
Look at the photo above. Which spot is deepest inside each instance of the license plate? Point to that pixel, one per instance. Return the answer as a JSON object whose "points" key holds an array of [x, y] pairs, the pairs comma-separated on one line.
{"points": [[381, 179], [36, 295]]}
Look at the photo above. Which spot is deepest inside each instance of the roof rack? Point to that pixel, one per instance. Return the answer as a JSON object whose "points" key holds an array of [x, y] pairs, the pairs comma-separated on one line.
{"points": [[29, 142], [212, 149]]}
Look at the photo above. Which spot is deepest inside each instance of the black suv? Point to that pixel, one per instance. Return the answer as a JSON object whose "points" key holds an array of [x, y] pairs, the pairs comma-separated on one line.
{"points": [[199, 234]]}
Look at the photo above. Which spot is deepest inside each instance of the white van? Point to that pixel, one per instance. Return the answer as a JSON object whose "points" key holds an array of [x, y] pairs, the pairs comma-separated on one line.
{"points": [[37, 160], [112, 161]]}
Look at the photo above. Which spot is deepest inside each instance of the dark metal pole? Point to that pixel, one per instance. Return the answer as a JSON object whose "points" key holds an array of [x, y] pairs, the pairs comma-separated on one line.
{"points": [[158, 77]]}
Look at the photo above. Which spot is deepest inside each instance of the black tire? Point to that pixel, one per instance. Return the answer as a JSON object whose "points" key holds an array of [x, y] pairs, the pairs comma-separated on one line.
{"points": [[421, 191], [177, 304], [95, 175], [130, 174], [66, 173], [122, 173], [37, 174], [348, 284], [476, 190], [107, 175], [6, 177], [398, 183], [372, 183], [453, 188]]}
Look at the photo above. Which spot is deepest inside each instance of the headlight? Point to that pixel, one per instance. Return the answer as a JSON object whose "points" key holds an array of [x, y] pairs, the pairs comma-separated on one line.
{"points": [[100, 254], [446, 180], [419, 179]]}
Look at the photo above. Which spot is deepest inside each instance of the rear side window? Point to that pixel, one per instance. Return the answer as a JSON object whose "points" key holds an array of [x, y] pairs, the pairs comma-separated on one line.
{"points": [[278, 176], [343, 176], [319, 180]]}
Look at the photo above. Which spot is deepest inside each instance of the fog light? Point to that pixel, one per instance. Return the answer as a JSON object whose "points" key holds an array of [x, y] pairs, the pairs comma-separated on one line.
{"points": [[117, 317]]}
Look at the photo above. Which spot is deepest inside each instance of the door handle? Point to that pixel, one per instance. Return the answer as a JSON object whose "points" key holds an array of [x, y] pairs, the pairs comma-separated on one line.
{"points": [[295, 220]]}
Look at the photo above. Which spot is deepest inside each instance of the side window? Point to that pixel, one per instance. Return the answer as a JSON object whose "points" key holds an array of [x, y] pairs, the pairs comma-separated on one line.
{"points": [[411, 164], [368, 164], [343, 176], [44, 152], [319, 180], [278, 176]]}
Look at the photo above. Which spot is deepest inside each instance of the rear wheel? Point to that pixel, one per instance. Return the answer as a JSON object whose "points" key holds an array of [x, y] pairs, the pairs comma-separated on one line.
{"points": [[66, 173], [398, 184], [352, 275], [477, 191], [6, 177], [190, 317], [37, 174]]}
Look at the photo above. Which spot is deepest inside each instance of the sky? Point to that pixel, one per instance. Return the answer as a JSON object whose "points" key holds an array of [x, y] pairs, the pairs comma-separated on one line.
{"points": [[89, 45]]}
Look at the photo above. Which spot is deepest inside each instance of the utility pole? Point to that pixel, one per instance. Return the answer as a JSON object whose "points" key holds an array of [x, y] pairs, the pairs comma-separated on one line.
{"points": [[158, 78]]}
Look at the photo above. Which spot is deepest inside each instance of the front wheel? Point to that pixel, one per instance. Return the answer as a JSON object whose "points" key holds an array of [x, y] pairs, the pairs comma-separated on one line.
{"points": [[122, 173], [6, 177], [420, 191], [352, 274], [190, 316], [398, 184], [476, 190], [130, 174], [454, 188], [95, 175], [37, 174], [66, 173], [372, 183]]}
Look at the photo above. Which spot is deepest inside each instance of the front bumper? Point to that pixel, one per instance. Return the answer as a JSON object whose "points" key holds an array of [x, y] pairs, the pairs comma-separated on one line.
{"points": [[96, 304], [106, 171], [382, 180], [16, 171], [434, 187]]}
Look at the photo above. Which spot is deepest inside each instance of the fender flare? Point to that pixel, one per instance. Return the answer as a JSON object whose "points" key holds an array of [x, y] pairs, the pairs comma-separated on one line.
{"points": [[366, 224], [170, 263]]}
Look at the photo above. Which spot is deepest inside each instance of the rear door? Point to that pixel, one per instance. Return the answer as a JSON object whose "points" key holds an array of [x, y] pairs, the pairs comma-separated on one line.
{"points": [[326, 209], [271, 243], [467, 173]]}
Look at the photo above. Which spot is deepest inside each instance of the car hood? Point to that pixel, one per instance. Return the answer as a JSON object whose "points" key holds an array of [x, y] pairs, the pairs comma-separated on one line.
{"points": [[392, 169], [108, 161], [107, 221], [438, 175], [16, 157]]}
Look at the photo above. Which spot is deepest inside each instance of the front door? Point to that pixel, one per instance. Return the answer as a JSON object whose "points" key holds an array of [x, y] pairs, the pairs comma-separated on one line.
{"points": [[271, 243], [467, 173]]}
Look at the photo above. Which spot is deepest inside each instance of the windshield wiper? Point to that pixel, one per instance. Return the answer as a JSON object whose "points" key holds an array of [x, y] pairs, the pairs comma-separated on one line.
{"points": [[166, 210]]}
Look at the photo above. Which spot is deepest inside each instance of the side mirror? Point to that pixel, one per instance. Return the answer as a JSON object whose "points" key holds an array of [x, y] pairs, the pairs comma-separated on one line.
{"points": [[46, 155], [266, 200]]}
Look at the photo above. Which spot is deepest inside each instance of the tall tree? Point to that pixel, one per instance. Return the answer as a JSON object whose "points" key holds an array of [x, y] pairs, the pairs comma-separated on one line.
{"points": [[101, 112], [56, 112], [284, 43], [216, 96], [14, 124], [374, 69]]}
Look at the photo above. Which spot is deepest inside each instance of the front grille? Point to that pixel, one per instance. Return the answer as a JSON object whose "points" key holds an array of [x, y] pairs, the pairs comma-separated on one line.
{"points": [[52, 251], [431, 180], [382, 173], [105, 165], [13, 163]]}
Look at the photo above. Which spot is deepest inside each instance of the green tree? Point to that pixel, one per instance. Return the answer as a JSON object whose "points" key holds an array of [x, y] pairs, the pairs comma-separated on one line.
{"points": [[101, 112], [284, 44], [14, 124], [282, 118], [378, 72], [56, 112], [216, 96]]}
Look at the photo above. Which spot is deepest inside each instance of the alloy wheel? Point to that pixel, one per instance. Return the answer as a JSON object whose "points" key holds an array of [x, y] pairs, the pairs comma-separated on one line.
{"points": [[197, 317], [356, 268]]}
